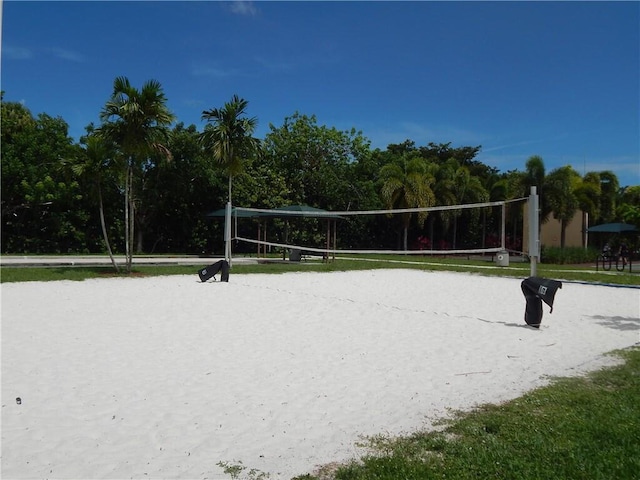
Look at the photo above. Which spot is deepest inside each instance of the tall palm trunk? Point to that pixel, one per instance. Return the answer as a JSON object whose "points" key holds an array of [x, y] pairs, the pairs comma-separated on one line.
{"points": [[126, 220], [132, 220], [128, 216], [455, 230], [104, 229], [406, 220]]}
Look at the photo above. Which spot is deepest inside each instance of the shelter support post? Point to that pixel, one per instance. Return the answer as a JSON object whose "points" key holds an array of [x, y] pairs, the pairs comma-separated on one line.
{"points": [[335, 238], [328, 240], [264, 246]]}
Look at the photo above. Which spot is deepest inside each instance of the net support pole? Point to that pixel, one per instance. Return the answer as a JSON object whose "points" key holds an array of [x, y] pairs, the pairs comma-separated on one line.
{"points": [[503, 235], [534, 230], [227, 233]]}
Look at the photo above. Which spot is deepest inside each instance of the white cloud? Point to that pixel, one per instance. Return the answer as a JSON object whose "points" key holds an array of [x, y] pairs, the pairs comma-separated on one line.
{"points": [[69, 55], [213, 71], [22, 53], [240, 7], [16, 53], [524, 143]]}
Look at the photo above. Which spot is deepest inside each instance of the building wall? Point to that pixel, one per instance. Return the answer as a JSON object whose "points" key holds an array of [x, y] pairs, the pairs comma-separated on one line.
{"points": [[550, 232]]}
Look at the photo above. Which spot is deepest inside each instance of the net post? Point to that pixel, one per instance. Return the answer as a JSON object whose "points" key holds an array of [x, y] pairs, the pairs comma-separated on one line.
{"points": [[503, 227], [227, 233], [534, 230]]}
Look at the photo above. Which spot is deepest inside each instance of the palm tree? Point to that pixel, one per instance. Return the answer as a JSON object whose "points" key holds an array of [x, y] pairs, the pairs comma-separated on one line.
{"points": [[443, 189], [609, 192], [98, 158], [561, 197], [587, 191], [467, 189], [229, 140], [534, 172], [136, 122], [407, 186], [498, 191]]}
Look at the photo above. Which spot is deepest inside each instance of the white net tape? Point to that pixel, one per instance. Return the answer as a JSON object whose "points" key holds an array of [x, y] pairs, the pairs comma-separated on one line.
{"points": [[333, 213]]}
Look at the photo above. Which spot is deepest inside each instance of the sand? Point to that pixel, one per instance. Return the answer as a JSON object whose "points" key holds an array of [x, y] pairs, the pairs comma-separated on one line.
{"points": [[165, 377]]}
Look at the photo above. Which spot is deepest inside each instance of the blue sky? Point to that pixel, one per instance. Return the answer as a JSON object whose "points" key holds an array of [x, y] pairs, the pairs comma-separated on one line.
{"points": [[559, 80]]}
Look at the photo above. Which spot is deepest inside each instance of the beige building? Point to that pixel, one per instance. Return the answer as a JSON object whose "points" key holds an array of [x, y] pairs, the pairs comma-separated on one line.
{"points": [[550, 232]]}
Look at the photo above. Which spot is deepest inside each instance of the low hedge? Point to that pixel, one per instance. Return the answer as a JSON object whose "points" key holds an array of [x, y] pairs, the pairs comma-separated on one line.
{"points": [[568, 255]]}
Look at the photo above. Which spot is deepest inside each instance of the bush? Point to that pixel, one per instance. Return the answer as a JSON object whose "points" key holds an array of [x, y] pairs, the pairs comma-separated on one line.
{"points": [[561, 256]]}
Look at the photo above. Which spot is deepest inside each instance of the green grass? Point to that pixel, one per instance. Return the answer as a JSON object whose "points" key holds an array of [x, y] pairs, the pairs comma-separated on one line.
{"points": [[583, 273], [576, 428]]}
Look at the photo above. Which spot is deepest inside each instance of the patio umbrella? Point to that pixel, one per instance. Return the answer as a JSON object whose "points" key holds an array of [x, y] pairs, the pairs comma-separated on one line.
{"points": [[234, 213], [303, 211], [613, 228]]}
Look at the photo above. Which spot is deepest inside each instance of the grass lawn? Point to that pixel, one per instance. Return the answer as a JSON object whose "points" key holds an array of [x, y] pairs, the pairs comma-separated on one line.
{"points": [[581, 273], [576, 428]]}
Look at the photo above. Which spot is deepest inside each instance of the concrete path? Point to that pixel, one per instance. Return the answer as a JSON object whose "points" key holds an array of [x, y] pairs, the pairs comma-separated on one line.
{"points": [[98, 260]]}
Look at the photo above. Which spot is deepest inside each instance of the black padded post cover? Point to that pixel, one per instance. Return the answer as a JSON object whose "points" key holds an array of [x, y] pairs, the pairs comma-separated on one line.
{"points": [[207, 272], [224, 276], [533, 310], [537, 290]]}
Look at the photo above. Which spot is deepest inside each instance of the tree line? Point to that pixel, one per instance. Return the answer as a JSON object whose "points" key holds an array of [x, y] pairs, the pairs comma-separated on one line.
{"points": [[143, 182]]}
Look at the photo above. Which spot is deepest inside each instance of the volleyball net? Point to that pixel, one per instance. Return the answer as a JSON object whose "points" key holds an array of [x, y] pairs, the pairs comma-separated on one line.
{"points": [[464, 229]]}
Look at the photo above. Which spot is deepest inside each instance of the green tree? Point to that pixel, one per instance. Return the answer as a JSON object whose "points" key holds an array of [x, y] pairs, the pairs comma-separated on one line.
{"points": [[18, 131], [229, 137], [629, 207], [326, 168], [180, 193], [467, 189], [136, 121], [407, 186], [534, 175], [444, 190], [43, 207], [442, 152], [587, 192], [609, 192], [229, 140], [562, 200], [96, 163], [315, 161]]}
